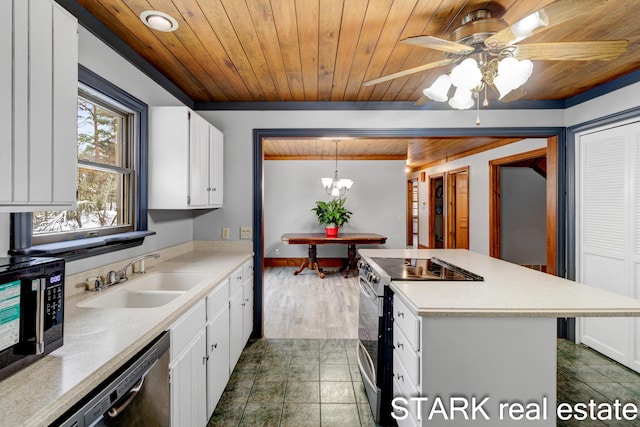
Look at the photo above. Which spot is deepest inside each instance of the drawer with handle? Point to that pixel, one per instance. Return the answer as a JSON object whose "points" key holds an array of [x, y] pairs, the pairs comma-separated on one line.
{"points": [[403, 350], [408, 322]]}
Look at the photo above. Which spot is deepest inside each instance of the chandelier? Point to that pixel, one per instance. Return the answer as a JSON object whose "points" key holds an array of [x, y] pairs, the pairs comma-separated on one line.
{"points": [[501, 71], [336, 186]]}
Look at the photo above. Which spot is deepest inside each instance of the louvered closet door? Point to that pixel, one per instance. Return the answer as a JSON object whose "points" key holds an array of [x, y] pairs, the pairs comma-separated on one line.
{"points": [[608, 210]]}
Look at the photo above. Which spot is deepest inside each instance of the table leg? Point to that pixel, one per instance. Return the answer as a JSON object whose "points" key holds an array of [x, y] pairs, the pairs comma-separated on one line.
{"points": [[351, 260], [311, 263]]}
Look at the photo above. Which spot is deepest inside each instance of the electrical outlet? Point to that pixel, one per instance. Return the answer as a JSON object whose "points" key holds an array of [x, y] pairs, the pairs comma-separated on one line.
{"points": [[225, 233], [277, 251], [245, 233]]}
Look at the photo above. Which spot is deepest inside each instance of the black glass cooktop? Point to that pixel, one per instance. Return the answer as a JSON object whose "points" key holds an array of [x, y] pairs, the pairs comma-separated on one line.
{"points": [[424, 269]]}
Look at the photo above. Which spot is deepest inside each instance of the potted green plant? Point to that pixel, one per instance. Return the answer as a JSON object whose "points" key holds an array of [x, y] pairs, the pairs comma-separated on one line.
{"points": [[332, 215]]}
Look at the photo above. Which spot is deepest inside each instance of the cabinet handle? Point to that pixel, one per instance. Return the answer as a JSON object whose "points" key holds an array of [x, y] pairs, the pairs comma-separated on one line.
{"points": [[204, 359], [400, 345], [243, 304], [214, 189], [400, 314], [208, 188], [400, 377], [246, 299], [215, 345]]}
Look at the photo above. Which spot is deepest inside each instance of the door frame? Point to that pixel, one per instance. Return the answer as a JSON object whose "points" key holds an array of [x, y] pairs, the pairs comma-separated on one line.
{"points": [[551, 153], [410, 230], [450, 202], [258, 179]]}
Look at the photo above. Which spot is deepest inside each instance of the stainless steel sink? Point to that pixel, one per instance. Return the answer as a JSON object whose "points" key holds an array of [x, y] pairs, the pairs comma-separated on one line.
{"points": [[129, 298]]}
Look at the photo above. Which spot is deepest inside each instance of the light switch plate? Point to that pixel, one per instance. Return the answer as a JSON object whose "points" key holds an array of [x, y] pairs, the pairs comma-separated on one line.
{"points": [[225, 233], [245, 232]]}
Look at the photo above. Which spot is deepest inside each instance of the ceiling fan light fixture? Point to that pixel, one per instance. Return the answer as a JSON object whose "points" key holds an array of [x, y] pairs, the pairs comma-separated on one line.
{"points": [[527, 25], [439, 90], [159, 21], [466, 75], [461, 100]]}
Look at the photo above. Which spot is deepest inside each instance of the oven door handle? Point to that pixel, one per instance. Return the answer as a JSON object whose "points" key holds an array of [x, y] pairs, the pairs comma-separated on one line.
{"points": [[372, 368], [367, 291]]}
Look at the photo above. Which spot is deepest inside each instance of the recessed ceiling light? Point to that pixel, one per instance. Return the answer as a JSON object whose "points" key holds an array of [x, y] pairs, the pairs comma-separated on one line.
{"points": [[159, 21]]}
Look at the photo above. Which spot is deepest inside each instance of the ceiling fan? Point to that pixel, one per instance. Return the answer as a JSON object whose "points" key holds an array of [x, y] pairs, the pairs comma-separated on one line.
{"points": [[488, 55]]}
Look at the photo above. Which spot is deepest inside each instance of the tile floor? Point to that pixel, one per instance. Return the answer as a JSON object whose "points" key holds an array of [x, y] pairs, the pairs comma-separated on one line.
{"points": [[295, 382], [314, 382], [584, 374]]}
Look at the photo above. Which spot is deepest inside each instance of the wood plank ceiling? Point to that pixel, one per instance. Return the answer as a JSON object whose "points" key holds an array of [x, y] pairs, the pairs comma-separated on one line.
{"points": [[323, 50]]}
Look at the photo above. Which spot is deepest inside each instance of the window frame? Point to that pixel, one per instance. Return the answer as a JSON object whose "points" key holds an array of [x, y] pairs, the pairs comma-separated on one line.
{"points": [[22, 223]]}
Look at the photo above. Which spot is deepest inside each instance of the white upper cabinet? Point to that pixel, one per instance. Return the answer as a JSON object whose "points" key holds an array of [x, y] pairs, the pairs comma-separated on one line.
{"points": [[185, 160], [38, 105]]}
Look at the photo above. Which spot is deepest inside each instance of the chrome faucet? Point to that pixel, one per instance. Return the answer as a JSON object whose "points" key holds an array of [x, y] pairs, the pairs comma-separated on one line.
{"points": [[121, 276]]}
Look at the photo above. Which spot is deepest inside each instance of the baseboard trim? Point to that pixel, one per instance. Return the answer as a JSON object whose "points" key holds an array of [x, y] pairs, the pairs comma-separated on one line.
{"points": [[297, 262]]}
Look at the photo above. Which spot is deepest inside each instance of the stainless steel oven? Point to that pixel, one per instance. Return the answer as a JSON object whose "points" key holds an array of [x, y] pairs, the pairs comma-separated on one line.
{"points": [[375, 319], [375, 347]]}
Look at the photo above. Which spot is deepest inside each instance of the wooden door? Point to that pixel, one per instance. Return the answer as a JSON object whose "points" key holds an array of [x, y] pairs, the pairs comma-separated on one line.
{"points": [[461, 184], [412, 213], [457, 214]]}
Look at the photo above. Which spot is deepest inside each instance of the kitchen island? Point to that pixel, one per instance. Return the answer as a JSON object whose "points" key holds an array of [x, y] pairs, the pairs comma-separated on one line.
{"points": [[483, 353], [99, 341]]}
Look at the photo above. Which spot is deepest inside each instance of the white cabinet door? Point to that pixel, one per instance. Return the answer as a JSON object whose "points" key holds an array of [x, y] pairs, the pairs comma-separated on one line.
{"points": [[247, 307], [188, 376], [216, 167], [218, 362], [38, 96], [198, 162], [185, 160], [236, 316]]}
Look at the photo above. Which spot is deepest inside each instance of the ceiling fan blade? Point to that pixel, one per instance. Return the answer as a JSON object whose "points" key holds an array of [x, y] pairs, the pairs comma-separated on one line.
{"points": [[438, 44], [420, 102], [410, 71], [555, 13], [572, 51]]}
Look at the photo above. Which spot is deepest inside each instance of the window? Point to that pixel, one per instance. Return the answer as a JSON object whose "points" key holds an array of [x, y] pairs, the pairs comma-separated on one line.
{"points": [[105, 175], [112, 180]]}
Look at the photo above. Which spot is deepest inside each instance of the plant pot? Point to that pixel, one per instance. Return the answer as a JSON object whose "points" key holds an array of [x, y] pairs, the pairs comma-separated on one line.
{"points": [[331, 231]]}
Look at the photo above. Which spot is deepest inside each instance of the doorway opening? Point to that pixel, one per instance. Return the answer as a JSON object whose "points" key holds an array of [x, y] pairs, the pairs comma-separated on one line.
{"points": [[554, 135], [436, 211], [523, 208]]}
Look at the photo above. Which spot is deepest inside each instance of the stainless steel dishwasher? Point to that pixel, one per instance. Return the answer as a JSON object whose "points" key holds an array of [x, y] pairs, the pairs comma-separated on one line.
{"points": [[137, 395]]}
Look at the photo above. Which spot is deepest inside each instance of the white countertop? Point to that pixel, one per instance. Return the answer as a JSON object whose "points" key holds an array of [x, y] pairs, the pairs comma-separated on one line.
{"points": [[508, 290], [99, 341]]}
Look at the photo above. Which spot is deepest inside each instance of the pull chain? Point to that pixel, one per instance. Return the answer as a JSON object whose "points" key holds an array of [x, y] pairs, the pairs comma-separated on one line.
{"points": [[477, 109]]}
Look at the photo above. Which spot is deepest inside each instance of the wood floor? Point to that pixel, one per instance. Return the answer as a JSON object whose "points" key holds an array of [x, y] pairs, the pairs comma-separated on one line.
{"points": [[306, 306]]}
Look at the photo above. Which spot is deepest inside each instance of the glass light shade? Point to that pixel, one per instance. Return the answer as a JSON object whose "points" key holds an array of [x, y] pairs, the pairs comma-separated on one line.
{"points": [[326, 182], [466, 75], [335, 192], [159, 22], [527, 25], [512, 74], [345, 183], [461, 100], [439, 89]]}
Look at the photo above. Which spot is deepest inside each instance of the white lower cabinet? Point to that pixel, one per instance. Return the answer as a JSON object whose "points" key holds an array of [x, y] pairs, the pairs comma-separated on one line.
{"points": [[236, 316], [406, 361], [188, 369], [206, 343], [218, 368], [247, 303]]}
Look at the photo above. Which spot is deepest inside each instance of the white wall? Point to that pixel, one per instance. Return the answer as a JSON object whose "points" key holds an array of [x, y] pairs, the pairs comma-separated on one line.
{"points": [[611, 103], [291, 188], [238, 127], [478, 190], [523, 216]]}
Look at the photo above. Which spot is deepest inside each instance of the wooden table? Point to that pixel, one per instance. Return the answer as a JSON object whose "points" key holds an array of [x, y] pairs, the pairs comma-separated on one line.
{"points": [[313, 239]]}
